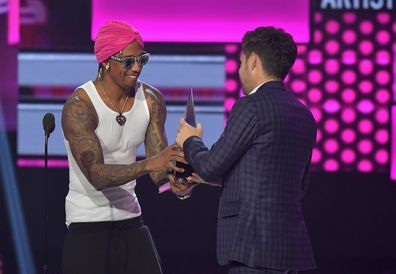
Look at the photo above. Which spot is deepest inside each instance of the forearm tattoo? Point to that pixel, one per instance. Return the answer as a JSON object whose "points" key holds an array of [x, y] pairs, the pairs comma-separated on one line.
{"points": [[156, 140], [114, 175]]}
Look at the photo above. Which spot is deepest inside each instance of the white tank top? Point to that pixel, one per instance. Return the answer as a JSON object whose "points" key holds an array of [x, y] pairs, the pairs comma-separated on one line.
{"points": [[119, 144]]}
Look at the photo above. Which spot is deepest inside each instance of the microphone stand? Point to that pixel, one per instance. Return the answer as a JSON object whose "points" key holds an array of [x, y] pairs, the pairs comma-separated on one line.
{"points": [[45, 265]]}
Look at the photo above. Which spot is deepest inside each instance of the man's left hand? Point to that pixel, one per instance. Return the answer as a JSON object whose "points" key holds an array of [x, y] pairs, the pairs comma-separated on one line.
{"points": [[185, 131]]}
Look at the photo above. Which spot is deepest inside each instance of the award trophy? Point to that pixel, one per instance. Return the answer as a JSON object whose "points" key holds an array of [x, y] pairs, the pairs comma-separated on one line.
{"points": [[190, 119]]}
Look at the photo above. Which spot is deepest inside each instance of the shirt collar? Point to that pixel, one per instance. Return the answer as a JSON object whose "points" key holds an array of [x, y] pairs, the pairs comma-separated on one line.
{"points": [[269, 83], [256, 88]]}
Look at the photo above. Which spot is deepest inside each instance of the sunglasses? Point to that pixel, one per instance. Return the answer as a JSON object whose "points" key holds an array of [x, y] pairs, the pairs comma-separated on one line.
{"points": [[128, 61]]}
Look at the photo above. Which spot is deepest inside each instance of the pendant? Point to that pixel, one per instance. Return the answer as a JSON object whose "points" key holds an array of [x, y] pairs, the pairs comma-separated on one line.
{"points": [[121, 119]]}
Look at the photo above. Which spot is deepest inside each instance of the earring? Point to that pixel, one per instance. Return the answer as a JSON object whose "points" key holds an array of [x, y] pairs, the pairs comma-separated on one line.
{"points": [[100, 74], [107, 66]]}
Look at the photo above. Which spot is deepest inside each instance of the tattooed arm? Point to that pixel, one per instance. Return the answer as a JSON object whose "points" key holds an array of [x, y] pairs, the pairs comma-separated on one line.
{"points": [[79, 121], [156, 140]]}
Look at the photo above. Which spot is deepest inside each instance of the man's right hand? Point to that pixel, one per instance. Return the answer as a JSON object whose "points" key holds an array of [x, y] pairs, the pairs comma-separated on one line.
{"points": [[163, 160]]}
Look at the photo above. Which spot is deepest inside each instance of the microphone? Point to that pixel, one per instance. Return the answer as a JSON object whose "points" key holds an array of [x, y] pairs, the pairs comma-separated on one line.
{"points": [[48, 123], [49, 126]]}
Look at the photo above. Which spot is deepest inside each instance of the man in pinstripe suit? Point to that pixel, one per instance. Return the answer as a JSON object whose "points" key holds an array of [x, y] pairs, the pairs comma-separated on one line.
{"points": [[263, 158]]}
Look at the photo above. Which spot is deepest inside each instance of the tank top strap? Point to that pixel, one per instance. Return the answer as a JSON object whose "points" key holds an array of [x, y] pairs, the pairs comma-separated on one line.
{"points": [[93, 94]]}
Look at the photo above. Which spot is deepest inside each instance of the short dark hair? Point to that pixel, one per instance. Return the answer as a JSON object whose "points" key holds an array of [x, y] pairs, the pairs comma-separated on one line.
{"points": [[275, 48]]}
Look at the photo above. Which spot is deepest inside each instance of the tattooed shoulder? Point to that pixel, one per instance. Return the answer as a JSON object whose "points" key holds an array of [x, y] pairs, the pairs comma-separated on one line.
{"points": [[155, 101], [78, 112]]}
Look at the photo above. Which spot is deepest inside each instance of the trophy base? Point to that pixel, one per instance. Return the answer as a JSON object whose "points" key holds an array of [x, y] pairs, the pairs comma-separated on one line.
{"points": [[188, 171]]}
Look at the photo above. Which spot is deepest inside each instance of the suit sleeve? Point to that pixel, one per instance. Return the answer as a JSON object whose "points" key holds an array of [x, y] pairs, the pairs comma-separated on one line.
{"points": [[237, 138], [305, 180]]}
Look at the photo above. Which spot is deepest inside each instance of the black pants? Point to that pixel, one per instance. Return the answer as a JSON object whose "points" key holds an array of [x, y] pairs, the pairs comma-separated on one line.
{"points": [[239, 268], [119, 247]]}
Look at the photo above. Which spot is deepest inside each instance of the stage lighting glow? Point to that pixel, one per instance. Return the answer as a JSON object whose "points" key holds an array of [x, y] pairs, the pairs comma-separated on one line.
{"points": [[383, 18], [348, 115], [348, 156], [318, 135], [349, 37], [349, 17], [332, 47], [301, 49], [383, 77], [331, 106], [382, 136], [366, 87], [331, 86], [349, 57], [231, 66], [382, 96], [382, 57], [348, 95], [318, 17], [348, 136], [299, 66], [315, 56], [231, 48], [383, 37], [315, 76], [366, 47], [332, 66], [298, 86], [349, 77], [287, 78], [366, 27], [393, 144], [316, 155], [332, 26], [365, 146], [331, 146], [331, 165], [56, 163], [365, 106], [13, 23], [229, 103], [382, 116], [366, 67], [331, 126], [365, 126], [314, 95], [317, 114], [318, 36], [365, 166], [231, 85], [382, 156]]}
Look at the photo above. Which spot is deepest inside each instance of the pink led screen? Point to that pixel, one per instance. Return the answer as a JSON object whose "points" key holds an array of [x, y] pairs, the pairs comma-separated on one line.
{"points": [[204, 20], [13, 22], [348, 89]]}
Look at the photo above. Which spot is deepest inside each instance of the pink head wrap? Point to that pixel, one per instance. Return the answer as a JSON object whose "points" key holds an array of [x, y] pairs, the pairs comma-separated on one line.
{"points": [[113, 37]]}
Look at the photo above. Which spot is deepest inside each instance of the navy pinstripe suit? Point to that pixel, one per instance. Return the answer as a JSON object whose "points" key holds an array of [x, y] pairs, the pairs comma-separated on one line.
{"points": [[263, 157]]}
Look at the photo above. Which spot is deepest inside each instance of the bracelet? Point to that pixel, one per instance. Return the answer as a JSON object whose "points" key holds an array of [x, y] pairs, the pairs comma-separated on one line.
{"points": [[183, 197]]}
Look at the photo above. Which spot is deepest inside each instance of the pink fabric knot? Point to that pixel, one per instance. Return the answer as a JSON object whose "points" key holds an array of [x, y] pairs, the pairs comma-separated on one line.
{"points": [[113, 37]]}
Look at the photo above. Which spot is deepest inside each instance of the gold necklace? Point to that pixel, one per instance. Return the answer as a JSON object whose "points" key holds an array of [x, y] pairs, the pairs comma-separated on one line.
{"points": [[121, 119]]}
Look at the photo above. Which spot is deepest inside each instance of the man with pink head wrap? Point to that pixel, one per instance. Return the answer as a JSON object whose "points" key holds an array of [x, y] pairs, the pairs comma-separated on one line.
{"points": [[103, 122]]}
